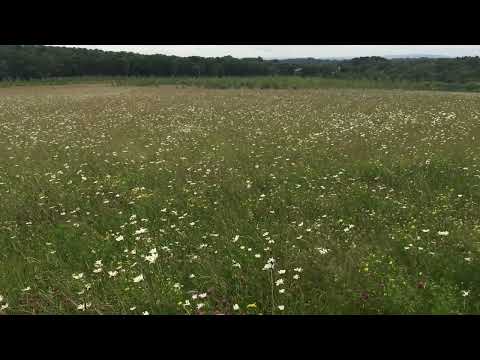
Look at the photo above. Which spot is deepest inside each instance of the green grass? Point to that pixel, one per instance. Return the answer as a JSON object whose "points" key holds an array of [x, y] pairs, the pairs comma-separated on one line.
{"points": [[58, 81], [354, 187], [259, 82], [295, 82]]}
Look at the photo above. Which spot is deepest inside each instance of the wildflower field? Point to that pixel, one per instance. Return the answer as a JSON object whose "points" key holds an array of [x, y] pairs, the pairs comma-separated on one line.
{"points": [[161, 200]]}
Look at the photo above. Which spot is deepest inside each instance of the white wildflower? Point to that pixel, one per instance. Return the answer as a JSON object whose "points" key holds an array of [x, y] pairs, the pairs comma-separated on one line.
{"points": [[83, 307], [141, 231], [152, 257], [138, 278], [323, 251], [77, 276]]}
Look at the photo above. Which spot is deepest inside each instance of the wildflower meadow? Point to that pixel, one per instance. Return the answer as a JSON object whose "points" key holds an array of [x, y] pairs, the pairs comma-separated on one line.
{"points": [[189, 201]]}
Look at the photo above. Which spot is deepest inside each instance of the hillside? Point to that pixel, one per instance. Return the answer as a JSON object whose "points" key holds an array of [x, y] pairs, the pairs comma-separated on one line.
{"points": [[25, 62]]}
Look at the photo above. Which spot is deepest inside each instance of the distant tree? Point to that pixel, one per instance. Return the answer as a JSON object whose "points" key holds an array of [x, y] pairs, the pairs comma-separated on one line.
{"points": [[36, 61], [4, 73]]}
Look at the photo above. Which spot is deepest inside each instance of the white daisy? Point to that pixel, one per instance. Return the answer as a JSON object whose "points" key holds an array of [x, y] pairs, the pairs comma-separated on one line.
{"points": [[138, 278], [77, 276]]}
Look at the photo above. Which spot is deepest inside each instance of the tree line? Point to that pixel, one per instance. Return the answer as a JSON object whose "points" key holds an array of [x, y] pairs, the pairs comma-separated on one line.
{"points": [[25, 62]]}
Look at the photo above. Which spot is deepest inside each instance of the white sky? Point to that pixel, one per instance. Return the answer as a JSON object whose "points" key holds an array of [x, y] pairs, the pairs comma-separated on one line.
{"points": [[292, 51]]}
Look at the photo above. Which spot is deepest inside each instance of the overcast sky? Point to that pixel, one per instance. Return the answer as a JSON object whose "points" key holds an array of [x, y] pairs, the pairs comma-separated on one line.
{"points": [[293, 51]]}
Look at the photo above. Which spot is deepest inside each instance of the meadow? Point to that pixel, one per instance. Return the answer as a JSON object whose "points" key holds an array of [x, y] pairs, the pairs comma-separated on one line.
{"points": [[169, 200], [252, 82]]}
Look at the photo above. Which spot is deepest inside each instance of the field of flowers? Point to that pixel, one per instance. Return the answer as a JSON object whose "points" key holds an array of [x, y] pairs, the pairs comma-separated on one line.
{"points": [[198, 201]]}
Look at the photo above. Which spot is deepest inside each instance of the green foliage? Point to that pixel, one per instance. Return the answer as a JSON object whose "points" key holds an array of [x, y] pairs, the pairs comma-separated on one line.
{"points": [[26, 62]]}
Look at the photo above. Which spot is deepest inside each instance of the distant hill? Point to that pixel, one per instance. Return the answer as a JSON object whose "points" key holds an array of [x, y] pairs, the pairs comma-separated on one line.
{"points": [[310, 60], [418, 56], [304, 61]]}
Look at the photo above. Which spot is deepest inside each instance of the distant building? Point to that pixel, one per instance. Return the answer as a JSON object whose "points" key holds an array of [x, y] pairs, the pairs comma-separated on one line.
{"points": [[297, 71]]}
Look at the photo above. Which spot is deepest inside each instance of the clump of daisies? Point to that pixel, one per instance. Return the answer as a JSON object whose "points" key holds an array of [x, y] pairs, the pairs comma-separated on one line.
{"points": [[3, 304]]}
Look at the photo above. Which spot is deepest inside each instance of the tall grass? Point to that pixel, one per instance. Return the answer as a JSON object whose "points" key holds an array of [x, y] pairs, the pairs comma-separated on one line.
{"points": [[260, 82], [293, 82], [191, 201]]}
